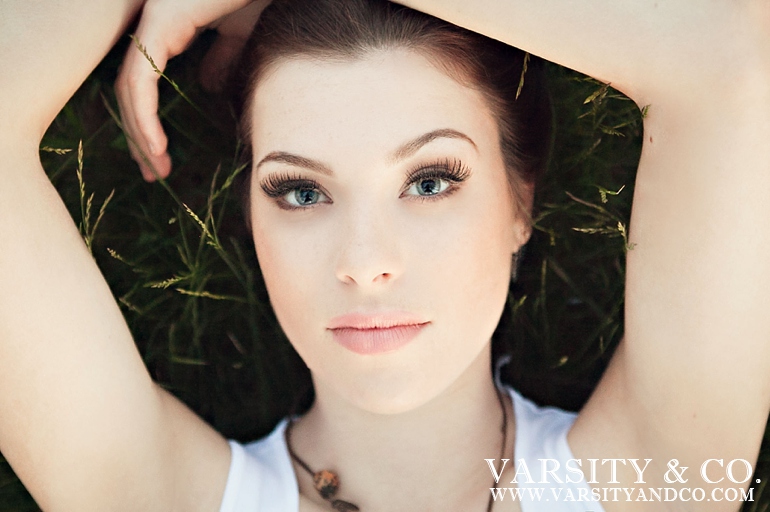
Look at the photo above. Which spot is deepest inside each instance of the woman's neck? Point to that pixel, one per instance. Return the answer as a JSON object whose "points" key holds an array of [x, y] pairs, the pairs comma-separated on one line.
{"points": [[429, 458]]}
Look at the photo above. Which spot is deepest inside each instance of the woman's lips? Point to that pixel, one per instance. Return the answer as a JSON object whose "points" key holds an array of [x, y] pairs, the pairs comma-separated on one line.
{"points": [[375, 333]]}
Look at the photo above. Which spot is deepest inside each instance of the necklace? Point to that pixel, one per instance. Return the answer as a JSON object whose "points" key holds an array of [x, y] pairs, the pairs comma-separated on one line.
{"points": [[327, 482]]}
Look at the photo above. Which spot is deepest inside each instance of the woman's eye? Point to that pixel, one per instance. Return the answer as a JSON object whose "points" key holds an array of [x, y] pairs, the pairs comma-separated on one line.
{"points": [[304, 196], [429, 186], [292, 192]]}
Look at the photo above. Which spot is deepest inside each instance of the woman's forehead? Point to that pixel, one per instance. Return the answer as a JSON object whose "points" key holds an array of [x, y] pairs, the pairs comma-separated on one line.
{"points": [[377, 101]]}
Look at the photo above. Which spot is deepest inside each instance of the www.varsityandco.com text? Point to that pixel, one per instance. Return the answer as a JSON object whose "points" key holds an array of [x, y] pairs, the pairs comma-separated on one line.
{"points": [[576, 480]]}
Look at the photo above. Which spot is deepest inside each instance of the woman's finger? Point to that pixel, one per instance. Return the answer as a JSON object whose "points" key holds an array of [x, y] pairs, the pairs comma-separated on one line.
{"points": [[137, 92], [128, 122], [141, 96], [137, 80]]}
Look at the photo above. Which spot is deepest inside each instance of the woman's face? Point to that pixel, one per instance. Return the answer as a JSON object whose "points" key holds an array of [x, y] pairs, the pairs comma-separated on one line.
{"points": [[379, 196]]}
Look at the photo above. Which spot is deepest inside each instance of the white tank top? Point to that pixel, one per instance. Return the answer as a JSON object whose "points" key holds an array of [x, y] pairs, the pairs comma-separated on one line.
{"points": [[262, 479]]}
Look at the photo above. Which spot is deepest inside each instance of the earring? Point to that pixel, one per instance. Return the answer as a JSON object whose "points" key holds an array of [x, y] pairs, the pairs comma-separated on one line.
{"points": [[516, 263]]}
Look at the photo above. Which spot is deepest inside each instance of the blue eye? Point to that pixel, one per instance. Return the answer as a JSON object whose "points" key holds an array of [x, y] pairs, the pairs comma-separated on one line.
{"points": [[436, 180], [428, 186], [303, 197], [293, 192]]}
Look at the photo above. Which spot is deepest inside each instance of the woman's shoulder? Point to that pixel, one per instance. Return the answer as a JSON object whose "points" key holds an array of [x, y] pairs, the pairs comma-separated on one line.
{"points": [[548, 475], [541, 431], [261, 475]]}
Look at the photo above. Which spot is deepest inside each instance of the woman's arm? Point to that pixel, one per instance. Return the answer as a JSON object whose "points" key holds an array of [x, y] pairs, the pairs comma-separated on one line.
{"points": [[47, 49], [690, 380], [81, 422], [641, 47]]}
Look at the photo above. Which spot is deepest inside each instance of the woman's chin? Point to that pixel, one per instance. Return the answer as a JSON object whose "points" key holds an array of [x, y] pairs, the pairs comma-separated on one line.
{"points": [[385, 394], [401, 382]]}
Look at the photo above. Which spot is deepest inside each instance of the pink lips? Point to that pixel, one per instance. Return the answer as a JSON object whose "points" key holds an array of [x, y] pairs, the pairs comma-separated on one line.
{"points": [[375, 333]]}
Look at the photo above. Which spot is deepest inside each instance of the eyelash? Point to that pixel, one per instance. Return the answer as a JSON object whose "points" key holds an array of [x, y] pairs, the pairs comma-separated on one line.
{"points": [[278, 185], [453, 171]]}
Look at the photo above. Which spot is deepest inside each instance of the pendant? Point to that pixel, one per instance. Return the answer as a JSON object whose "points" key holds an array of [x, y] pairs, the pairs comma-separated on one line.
{"points": [[326, 483]]}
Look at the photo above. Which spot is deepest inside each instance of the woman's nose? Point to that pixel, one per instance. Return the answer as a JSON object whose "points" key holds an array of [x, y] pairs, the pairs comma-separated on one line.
{"points": [[369, 250]]}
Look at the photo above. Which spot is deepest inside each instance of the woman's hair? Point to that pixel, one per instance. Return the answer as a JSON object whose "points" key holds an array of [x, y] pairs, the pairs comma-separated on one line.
{"points": [[510, 80]]}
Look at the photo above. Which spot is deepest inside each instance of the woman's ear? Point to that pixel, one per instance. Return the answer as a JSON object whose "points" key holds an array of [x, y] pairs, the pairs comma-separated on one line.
{"points": [[524, 199]]}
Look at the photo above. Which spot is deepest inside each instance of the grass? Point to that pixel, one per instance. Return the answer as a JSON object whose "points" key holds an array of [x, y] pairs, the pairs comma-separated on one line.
{"points": [[180, 261]]}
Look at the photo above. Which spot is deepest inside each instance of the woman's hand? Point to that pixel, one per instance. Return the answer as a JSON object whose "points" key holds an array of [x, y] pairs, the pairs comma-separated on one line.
{"points": [[166, 29]]}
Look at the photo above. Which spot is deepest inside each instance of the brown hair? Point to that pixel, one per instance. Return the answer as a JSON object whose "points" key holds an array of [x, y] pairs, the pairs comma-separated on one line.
{"points": [[349, 29]]}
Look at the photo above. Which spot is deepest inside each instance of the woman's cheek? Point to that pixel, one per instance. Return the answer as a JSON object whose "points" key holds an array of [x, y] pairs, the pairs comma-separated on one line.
{"points": [[290, 255], [471, 242], [487, 258]]}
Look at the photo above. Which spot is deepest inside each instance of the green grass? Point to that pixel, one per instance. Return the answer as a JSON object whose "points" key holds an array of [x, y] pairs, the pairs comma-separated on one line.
{"points": [[180, 261]]}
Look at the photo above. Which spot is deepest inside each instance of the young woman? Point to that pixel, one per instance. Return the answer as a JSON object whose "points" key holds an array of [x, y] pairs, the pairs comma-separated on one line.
{"points": [[381, 197]]}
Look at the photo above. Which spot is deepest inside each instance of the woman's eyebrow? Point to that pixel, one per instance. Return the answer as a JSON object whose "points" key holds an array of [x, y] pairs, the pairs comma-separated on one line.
{"points": [[411, 147], [404, 151], [295, 160]]}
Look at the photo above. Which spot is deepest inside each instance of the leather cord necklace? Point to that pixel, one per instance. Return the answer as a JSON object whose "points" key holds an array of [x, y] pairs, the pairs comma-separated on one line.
{"points": [[327, 482]]}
